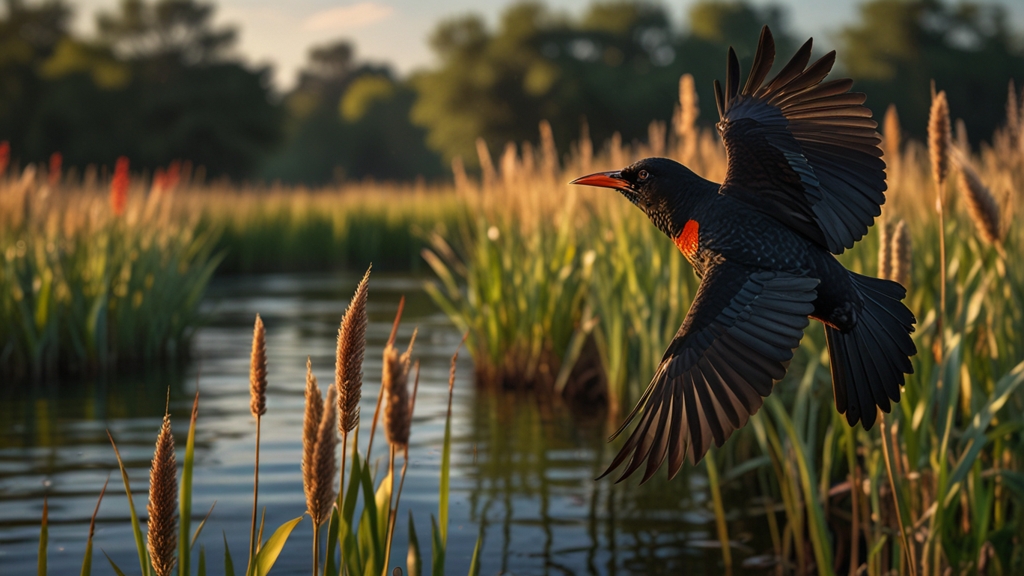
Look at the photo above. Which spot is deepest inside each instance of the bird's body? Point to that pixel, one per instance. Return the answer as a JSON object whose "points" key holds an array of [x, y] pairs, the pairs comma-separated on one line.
{"points": [[804, 182]]}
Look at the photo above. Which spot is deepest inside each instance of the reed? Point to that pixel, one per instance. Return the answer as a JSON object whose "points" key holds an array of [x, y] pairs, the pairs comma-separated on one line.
{"points": [[258, 407]]}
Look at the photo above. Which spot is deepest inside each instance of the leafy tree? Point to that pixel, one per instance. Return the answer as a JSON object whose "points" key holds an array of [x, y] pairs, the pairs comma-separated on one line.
{"points": [[900, 45]]}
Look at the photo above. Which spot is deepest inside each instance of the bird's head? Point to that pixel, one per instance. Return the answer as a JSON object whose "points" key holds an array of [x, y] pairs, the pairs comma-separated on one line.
{"points": [[661, 187]]}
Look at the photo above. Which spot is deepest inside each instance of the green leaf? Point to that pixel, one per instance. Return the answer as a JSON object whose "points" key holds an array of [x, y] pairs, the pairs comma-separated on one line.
{"points": [[136, 528], [269, 552], [414, 560], [229, 566], [330, 565], [185, 495], [202, 561], [974, 438], [44, 538], [117, 570], [474, 565], [437, 549], [87, 560]]}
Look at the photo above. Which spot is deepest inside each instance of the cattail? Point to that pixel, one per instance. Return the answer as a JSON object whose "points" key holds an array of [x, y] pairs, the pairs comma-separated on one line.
{"points": [[981, 205], [258, 370], [348, 368], [548, 149], [938, 137], [319, 506], [119, 186], [616, 150], [397, 415], [686, 124], [162, 527], [901, 252], [891, 127], [586, 148], [311, 419], [509, 164], [459, 174], [56, 162], [884, 252], [656, 137], [490, 178], [5, 156]]}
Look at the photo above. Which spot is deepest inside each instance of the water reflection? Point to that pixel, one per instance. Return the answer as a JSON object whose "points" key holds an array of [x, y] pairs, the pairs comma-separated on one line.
{"points": [[522, 473]]}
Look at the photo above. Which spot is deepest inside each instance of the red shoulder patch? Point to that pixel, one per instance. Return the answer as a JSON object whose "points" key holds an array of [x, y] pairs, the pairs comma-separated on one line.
{"points": [[688, 239]]}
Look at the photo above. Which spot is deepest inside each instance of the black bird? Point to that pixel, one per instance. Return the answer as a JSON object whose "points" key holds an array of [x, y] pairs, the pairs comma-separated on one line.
{"points": [[805, 180]]}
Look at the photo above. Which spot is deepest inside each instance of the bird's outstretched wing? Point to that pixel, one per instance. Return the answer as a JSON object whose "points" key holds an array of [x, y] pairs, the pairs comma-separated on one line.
{"points": [[799, 149], [736, 341]]}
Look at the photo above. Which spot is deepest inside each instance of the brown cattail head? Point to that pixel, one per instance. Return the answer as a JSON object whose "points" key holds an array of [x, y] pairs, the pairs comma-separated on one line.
{"points": [[548, 149], [311, 419], [891, 127], [258, 370], [884, 252], [348, 367], [486, 165], [901, 252], [459, 173], [938, 137], [981, 204], [397, 414], [162, 526], [322, 496]]}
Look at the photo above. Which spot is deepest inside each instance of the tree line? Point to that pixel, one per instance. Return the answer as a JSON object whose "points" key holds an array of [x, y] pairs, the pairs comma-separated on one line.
{"points": [[159, 82]]}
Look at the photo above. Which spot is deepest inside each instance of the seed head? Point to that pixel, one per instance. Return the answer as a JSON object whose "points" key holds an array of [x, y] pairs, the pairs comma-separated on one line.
{"points": [[901, 253], [980, 203], [348, 367], [311, 419], [939, 137], [162, 526], [258, 370]]}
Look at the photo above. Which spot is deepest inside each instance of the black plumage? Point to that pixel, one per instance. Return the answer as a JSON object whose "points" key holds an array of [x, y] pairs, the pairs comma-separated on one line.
{"points": [[804, 181]]}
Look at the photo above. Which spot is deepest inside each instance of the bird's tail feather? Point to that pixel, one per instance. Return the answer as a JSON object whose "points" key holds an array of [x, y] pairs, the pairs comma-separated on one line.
{"points": [[869, 361]]}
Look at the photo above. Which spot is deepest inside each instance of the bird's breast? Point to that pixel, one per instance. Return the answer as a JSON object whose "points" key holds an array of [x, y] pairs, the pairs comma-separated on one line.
{"points": [[688, 241]]}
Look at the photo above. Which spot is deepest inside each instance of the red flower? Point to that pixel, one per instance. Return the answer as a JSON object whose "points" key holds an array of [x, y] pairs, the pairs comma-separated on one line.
{"points": [[119, 186]]}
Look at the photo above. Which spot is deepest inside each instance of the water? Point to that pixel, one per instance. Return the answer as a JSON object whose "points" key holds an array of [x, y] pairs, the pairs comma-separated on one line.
{"points": [[522, 475]]}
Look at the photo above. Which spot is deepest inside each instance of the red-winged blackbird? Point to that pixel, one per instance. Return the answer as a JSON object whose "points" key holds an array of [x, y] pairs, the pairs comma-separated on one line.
{"points": [[805, 181]]}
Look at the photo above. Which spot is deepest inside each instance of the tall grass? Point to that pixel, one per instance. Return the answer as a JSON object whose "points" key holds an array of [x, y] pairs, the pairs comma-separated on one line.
{"points": [[83, 289], [547, 278]]}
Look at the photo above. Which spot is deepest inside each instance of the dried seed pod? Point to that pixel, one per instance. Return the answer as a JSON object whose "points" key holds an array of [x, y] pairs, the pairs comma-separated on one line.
{"points": [[258, 370]]}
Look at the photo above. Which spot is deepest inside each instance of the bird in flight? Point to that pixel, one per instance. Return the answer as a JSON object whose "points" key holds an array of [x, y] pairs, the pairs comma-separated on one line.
{"points": [[805, 180]]}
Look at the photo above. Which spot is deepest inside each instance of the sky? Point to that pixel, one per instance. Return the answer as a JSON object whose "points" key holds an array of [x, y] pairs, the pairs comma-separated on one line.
{"points": [[280, 33]]}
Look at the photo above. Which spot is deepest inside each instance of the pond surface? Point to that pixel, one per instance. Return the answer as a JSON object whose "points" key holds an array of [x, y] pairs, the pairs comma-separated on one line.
{"points": [[522, 475]]}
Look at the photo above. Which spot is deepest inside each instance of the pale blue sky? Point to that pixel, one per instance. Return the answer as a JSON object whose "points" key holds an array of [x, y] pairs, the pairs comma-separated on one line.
{"points": [[280, 33]]}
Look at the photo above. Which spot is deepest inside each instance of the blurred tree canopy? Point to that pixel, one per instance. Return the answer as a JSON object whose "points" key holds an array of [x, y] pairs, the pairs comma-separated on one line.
{"points": [[159, 81], [617, 67], [899, 46], [348, 119]]}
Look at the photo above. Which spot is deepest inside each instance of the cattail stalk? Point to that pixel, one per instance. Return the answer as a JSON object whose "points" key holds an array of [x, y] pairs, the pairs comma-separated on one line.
{"points": [[938, 152], [258, 407], [311, 418], [900, 253], [893, 137], [981, 205], [548, 149], [884, 260], [486, 165], [162, 525], [348, 372]]}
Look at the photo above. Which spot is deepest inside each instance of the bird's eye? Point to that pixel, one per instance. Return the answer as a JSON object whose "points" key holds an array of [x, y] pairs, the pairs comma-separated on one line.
{"points": [[642, 175]]}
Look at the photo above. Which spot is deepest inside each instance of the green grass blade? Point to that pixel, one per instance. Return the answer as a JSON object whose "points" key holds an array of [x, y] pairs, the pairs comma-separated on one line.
{"points": [[414, 560], [44, 538], [330, 564], [229, 565], [202, 561], [437, 549], [117, 570], [185, 495], [716, 499], [87, 559], [474, 564], [140, 545], [199, 529], [269, 552]]}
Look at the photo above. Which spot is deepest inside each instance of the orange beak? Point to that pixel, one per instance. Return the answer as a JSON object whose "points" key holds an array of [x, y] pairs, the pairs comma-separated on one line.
{"points": [[603, 180]]}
